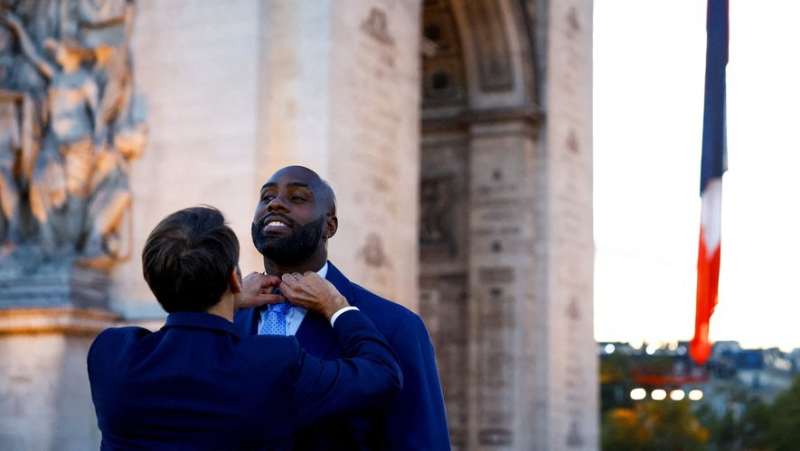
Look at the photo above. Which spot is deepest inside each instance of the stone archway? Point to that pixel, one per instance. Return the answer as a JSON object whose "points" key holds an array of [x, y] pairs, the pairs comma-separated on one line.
{"points": [[492, 191]]}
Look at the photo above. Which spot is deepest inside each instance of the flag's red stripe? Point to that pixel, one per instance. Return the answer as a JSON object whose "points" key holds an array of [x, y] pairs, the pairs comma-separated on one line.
{"points": [[707, 288]]}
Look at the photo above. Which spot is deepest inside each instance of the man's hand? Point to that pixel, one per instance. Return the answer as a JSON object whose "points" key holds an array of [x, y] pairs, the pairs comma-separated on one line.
{"points": [[257, 290], [312, 292]]}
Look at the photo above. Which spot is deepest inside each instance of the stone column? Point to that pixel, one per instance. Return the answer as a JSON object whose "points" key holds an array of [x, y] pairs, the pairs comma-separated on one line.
{"points": [[503, 311], [340, 94], [533, 363], [563, 345], [45, 402], [198, 67]]}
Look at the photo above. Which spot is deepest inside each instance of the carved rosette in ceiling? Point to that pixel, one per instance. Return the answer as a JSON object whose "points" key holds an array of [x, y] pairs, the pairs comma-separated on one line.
{"points": [[488, 31], [443, 74]]}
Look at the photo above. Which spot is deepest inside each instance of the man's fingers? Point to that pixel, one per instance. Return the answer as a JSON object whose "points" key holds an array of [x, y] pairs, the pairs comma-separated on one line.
{"points": [[263, 281], [288, 279], [287, 291], [273, 299], [271, 281], [264, 299]]}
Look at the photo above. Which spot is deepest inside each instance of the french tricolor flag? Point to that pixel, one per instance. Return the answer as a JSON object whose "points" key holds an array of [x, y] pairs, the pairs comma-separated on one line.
{"points": [[713, 165]]}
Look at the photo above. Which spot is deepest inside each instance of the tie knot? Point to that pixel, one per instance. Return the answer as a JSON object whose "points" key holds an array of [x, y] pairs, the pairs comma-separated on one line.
{"points": [[280, 308]]}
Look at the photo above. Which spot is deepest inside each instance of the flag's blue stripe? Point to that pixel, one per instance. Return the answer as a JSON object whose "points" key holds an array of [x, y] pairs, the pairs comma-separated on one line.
{"points": [[714, 141]]}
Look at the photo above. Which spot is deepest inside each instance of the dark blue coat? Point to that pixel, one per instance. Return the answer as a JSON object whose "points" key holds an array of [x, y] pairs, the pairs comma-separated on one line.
{"points": [[198, 384], [415, 419]]}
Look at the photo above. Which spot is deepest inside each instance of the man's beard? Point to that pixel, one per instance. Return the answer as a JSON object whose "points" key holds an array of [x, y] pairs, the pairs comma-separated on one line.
{"points": [[289, 250]]}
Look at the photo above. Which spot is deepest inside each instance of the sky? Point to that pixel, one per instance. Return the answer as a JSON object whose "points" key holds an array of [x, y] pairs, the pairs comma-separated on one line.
{"points": [[649, 65]]}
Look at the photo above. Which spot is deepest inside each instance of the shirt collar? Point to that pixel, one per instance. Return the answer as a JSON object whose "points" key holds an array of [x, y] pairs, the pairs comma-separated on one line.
{"points": [[323, 272]]}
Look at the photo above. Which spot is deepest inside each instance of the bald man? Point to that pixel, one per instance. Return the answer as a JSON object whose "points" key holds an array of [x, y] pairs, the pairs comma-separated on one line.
{"points": [[294, 219]]}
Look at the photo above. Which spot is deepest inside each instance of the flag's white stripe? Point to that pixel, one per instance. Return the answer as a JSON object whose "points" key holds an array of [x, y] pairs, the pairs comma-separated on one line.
{"points": [[711, 215]]}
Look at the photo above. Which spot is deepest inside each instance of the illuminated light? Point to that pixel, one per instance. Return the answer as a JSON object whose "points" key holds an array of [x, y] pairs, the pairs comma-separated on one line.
{"points": [[677, 395], [638, 394], [696, 395], [681, 350], [659, 394], [651, 349], [610, 348]]}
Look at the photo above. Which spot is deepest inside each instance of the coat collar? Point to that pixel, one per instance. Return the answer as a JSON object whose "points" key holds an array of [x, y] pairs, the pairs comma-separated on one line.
{"points": [[341, 283], [316, 334], [201, 320]]}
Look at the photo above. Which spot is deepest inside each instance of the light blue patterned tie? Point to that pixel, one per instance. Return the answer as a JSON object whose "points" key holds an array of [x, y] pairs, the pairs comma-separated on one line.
{"points": [[275, 322]]}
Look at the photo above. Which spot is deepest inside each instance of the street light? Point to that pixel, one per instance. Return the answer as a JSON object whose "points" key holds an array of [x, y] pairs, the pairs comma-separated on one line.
{"points": [[677, 395], [638, 394], [658, 394]]}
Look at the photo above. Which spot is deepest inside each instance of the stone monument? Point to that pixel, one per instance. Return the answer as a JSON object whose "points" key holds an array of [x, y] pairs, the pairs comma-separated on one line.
{"points": [[506, 251], [457, 134], [71, 120]]}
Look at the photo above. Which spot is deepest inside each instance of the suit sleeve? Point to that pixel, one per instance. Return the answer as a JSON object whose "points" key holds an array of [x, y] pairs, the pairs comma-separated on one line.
{"points": [[416, 419], [368, 377]]}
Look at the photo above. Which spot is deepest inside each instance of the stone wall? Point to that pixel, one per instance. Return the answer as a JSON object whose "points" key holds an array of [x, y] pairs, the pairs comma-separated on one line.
{"points": [[238, 90]]}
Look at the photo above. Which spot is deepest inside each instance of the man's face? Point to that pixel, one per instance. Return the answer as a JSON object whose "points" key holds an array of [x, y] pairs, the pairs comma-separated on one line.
{"points": [[289, 220]]}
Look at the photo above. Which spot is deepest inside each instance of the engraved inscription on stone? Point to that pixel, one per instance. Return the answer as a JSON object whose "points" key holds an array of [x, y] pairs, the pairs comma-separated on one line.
{"points": [[573, 201], [572, 142], [372, 252], [496, 436], [377, 122], [376, 25], [495, 356], [443, 308], [575, 389], [573, 21], [574, 437], [376, 128]]}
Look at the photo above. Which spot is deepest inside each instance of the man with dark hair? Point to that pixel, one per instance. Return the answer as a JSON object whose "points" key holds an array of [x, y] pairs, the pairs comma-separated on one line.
{"points": [[197, 383], [294, 219]]}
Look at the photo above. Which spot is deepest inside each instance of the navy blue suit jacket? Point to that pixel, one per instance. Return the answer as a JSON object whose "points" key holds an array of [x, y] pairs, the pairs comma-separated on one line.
{"points": [[415, 419], [198, 384]]}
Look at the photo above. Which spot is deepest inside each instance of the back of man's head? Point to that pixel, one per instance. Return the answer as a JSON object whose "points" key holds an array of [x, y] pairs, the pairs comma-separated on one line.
{"points": [[188, 258]]}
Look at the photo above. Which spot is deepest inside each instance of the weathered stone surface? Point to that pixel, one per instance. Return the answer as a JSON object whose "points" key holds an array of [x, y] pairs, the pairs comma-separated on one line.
{"points": [[45, 403], [52, 284], [343, 98], [503, 225], [506, 221]]}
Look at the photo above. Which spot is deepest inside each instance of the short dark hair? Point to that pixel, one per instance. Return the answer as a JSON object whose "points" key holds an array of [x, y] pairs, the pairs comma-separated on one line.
{"points": [[188, 258]]}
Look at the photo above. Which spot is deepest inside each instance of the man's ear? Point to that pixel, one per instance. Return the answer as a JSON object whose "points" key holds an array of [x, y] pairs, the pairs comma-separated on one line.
{"points": [[331, 226], [235, 280]]}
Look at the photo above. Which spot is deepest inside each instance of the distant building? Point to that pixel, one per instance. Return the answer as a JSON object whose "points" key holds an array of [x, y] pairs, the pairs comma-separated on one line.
{"points": [[655, 372]]}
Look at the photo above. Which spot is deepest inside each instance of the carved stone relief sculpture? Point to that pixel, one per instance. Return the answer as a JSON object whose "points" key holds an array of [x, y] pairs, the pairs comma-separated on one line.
{"points": [[71, 120]]}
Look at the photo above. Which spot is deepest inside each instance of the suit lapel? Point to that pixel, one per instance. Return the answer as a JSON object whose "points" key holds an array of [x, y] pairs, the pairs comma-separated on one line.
{"points": [[315, 333], [341, 283]]}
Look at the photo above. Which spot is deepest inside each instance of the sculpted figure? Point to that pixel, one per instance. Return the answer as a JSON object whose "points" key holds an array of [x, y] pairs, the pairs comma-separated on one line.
{"points": [[10, 144], [120, 135], [93, 124], [65, 161]]}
